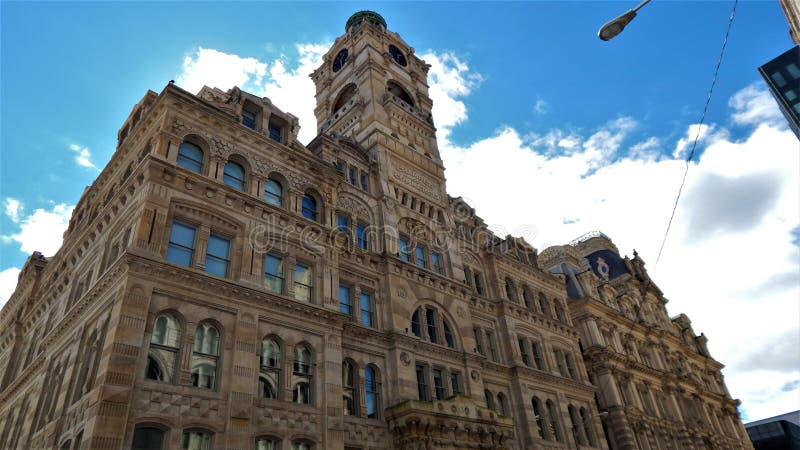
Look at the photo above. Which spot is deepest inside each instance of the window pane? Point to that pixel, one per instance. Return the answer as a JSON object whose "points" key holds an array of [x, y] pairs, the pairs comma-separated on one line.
{"points": [[361, 232], [345, 303], [217, 256], [273, 273], [266, 444], [196, 440], [438, 384], [249, 119], [416, 327], [309, 209], [778, 78], [790, 95], [420, 256], [166, 331], [405, 253], [422, 384], [191, 157], [148, 439], [366, 309], [364, 182], [275, 133], [436, 262], [181, 244], [793, 70], [204, 371], [351, 174], [161, 364], [303, 281], [430, 318], [273, 192]]}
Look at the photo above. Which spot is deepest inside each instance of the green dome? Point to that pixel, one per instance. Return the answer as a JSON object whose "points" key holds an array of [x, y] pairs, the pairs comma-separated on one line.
{"points": [[371, 16]]}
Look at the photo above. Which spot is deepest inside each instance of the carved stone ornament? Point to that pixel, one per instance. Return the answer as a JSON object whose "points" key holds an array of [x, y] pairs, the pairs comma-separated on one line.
{"points": [[475, 375], [460, 312], [352, 205], [405, 359], [401, 292], [220, 148]]}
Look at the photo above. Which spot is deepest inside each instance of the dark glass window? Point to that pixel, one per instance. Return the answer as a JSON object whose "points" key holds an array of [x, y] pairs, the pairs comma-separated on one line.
{"points": [[345, 302], [351, 174], [438, 384], [181, 244], [366, 309], [217, 256], [249, 119], [233, 175], [205, 356], [476, 332], [436, 263], [778, 78], [448, 335], [405, 252], [455, 382], [537, 414], [309, 207], [348, 389], [419, 254], [266, 444], [274, 132], [537, 355], [343, 224], [523, 351], [422, 383], [364, 182], [273, 273], [430, 318], [416, 326], [371, 389], [191, 157], [273, 192], [164, 347], [196, 440], [490, 344], [148, 438], [361, 232]]}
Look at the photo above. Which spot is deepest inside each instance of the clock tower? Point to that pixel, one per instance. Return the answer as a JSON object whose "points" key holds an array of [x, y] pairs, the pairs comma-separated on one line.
{"points": [[372, 89]]}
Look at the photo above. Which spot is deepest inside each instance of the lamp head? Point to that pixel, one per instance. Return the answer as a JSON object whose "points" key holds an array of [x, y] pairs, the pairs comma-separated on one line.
{"points": [[615, 27]]}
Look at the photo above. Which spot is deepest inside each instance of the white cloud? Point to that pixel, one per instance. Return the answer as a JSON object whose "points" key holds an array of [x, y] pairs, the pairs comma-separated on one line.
{"points": [[541, 107], [83, 156], [42, 231], [705, 135], [8, 282], [754, 105], [217, 69], [449, 80], [13, 209]]}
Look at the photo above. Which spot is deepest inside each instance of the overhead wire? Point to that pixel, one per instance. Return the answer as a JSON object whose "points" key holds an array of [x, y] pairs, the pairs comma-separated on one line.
{"points": [[690, 155]]}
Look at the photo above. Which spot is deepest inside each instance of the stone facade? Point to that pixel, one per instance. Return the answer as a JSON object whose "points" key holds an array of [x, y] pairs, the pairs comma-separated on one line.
{"points": [[223, 286]]}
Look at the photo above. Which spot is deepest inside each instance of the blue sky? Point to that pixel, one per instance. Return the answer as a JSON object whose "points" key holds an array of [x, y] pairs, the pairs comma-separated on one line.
{"points": [[594, 132]]}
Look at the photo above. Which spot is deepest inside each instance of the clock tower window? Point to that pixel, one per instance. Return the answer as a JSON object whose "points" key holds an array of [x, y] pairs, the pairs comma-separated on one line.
{"points": [[398, 91]]}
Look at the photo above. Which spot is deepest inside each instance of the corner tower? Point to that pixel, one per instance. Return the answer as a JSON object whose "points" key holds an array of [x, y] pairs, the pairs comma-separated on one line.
{"points": [[373, 89]]}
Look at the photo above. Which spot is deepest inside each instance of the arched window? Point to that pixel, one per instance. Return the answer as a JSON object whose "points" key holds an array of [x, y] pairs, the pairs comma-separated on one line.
{"points": [[233, 175], [429, 320], [148, 438], [489, 397], [372, 392], [190, 156], [349, 388], [302, 376], [552, 415], [573, 373], [526, 296], [575, 422], [309, 207], [544, 304], [196, 440], [302, 445], [560, 312], [273, 192], [266, 443], [205, 356], [537, 414], [66, 445], [344, 96], [502, 404], [164, 345], [398, 91], [269, 379], [587, 427], [511, 290]]}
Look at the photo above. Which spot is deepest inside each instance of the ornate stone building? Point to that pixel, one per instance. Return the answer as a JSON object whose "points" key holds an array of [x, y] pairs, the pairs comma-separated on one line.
{"points": [[223, 286]]}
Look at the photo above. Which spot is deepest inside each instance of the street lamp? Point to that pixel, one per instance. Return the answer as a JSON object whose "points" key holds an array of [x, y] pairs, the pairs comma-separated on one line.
{"points": [[615, 27]]}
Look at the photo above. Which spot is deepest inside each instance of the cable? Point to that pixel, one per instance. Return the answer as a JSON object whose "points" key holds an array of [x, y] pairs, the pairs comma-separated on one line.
{"points": [[699, 129]]}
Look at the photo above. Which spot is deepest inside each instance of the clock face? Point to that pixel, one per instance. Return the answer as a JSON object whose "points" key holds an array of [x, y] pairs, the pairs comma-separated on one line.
{"points": [[340, 59], [397, 55]]}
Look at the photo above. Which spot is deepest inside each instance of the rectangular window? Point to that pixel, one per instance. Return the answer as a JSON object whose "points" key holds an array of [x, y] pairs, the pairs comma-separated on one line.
{"points": [[455, 383], [419, 256], [275, 132], [351, 174], [793, 70], [366, 309], [422, 383], [438, 384], [479, 283], [523, 351], [303, 282], [436, 263], [405, 252], [361, 232], [217, 255], [339, 166], [476, 332], [778, 78], [273, 273], [249, 119], [559, 357], [364, 183], [430, 318], [345, 302], [490, 344], [181, 244], [343, 224], [537, 355]]}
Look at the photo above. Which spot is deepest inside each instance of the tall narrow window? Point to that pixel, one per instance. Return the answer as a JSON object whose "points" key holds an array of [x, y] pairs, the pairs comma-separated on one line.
{"points": [[416, 326], [364, 182], [351, 174], [587, 427], [544, 305], [191, 157], [455, 383], [422, 382], [273, 192], [490, 344], [164, 346], [511, 291], [146, 438], [502, 404], [560, 312], [526, 296], [349, 388], [573, 373], [436, 263], [479, 283], [249, 119], [303, 282], [302, 374], [553, 417], [365, 304], [523, 351], [196, 440], [438, 384], [468, 276], [558, 355], [477, 334], [343, 224], [489, 398], [233, 175], [309, 207], [270, 367], [448, 334], [430, 319], [181, 244], [537, 414], [575, 425], [538, 360], [205, 356], [345, 301], [405, 251], [361, 233], [371, 390], [419, 256], [274, 131], [217, 255], [273, 273]]}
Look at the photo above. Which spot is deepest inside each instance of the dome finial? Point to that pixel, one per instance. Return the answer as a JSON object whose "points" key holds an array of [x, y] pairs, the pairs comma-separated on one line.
{"points": [[371, 16]]}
